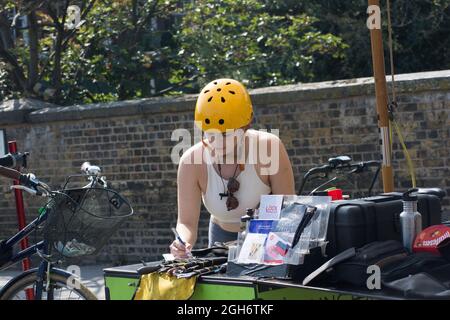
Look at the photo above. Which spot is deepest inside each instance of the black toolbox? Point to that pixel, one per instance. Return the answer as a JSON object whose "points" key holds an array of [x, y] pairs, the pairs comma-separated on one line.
{"points": [[355, 223]]}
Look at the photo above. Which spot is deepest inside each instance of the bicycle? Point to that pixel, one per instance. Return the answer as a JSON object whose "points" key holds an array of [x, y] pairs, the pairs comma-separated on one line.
{"points": [[75, 223], [343, 167]]}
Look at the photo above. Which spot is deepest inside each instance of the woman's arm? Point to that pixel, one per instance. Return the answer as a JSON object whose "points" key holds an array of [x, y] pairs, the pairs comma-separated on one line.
{"points": [[282, 180], [189, 202]]}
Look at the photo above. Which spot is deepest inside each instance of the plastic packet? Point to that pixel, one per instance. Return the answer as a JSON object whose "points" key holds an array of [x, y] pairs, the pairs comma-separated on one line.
{"points": [[315, 232], [319, 224]]}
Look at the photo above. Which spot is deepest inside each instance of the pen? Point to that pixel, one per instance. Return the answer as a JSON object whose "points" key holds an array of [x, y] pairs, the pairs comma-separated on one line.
{"points": [[177, 236]]}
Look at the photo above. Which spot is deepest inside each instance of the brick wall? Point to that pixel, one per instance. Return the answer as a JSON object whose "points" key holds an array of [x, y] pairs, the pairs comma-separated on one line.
{"points": [[131, 141]]}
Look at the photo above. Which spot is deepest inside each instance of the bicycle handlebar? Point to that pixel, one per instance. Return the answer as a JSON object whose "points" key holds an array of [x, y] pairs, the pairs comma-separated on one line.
{"points": [[9, 173], [372, 163], [39, 188], [334, 166], [322, 169], [14, 160], [33, 192]]}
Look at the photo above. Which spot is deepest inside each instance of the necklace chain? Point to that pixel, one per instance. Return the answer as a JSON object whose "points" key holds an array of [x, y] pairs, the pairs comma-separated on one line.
{"points": [[221, 178]]}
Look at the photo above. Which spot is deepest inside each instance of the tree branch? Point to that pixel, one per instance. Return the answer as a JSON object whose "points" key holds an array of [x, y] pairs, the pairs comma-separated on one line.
{"points": [[5, 32], [15, 69], [33, 68], [7, 43], [54, 16], [82, 17], [68, 36]]}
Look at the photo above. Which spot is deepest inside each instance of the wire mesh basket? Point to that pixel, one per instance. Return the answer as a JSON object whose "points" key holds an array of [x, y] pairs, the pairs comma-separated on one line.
{"points": [[80, 221]]}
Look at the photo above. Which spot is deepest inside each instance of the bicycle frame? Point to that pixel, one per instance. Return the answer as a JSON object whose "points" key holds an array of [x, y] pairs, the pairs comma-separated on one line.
{"points": [[28, 252], [46, 267], [32, 226], [41, 247]]}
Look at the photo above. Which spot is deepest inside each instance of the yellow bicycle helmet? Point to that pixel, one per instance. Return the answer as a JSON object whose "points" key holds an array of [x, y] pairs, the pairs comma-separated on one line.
{"points": [[223, 104]]}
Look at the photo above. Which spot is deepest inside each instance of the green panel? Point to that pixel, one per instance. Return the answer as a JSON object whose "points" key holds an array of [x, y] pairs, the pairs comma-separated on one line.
{"points": [[303, 294], [121, 288], [206, 291]]}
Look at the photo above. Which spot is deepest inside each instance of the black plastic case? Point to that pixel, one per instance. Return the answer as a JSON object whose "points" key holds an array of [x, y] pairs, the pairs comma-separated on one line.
{"points": [[355, 223]]}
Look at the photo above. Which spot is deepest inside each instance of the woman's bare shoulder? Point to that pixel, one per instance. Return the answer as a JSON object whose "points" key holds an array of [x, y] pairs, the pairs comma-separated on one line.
{"points": [[262, 134], [193, 155]]}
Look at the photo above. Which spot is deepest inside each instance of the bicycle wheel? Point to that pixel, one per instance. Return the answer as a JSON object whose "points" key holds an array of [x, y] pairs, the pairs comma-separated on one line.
{"points": [[58, 283]]}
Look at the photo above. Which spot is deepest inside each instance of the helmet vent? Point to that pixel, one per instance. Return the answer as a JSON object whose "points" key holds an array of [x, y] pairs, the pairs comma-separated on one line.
{"points": [[232, 92], [221, 121], [215, 82], [210, 98], [206, 91], [207, 121], [227, 83], [222, 99], [219, 89]]}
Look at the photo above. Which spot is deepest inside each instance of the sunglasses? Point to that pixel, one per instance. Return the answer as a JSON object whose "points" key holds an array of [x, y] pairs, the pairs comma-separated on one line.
{"points": [[232, 187]]}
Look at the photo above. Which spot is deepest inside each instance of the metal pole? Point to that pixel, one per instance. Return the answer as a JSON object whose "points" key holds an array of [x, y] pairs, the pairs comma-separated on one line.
{"points": [[12, 145], [376, 40]]}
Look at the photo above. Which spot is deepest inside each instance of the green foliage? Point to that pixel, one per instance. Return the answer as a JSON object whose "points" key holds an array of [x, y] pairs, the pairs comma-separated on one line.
{"points": [[241, 39], [420, 36], [113, 55], [117, 53]]}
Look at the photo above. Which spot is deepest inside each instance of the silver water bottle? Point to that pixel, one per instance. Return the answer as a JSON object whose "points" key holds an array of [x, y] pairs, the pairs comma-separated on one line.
{"points": [[410, 219]]}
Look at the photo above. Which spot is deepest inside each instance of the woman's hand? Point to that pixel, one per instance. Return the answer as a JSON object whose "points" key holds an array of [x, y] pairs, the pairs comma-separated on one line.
{"points": [[180, 251]]}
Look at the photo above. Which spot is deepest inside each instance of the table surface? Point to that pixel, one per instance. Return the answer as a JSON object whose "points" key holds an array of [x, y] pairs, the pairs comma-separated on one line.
{"points": [[131, 271]]}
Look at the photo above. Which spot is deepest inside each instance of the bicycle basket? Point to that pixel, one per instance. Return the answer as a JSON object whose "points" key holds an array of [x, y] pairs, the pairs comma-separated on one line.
{"points": [[80, 221]]}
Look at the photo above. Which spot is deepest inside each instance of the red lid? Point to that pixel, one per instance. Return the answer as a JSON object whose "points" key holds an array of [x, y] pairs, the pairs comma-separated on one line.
{"points": [[335, 194], [429, 239]]}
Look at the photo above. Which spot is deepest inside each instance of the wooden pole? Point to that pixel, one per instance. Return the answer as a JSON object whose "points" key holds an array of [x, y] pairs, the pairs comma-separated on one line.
{"points": [[376, 39]]}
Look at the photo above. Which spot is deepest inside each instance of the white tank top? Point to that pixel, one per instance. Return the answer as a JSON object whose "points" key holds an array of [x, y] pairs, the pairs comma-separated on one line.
{"points": [[249, 194]]}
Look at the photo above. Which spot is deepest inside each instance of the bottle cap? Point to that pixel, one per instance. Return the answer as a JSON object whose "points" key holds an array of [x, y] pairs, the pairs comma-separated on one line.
{"points": [[407, 195]]}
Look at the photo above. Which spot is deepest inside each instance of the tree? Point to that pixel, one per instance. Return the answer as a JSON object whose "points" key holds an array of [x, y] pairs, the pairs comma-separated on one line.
{"points": [[126, 49], [31, 65], [420, 36], [250, 41], [111, 55], [119, 52]]}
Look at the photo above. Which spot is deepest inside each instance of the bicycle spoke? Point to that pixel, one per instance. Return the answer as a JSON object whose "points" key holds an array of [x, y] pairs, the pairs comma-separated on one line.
{"points": [[57, 291]]}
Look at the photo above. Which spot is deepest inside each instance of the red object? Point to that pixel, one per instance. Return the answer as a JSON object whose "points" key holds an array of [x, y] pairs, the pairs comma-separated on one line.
{"points": [[430, 238], [12, 145], [335, 194]]}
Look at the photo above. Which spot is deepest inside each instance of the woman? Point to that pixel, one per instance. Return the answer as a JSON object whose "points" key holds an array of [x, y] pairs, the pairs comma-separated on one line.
{"points": [[234, 168]]}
